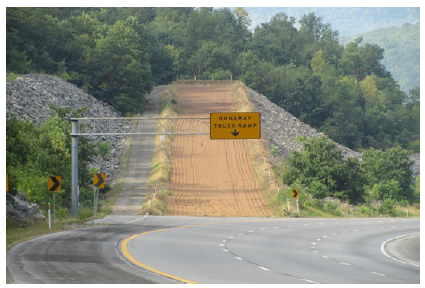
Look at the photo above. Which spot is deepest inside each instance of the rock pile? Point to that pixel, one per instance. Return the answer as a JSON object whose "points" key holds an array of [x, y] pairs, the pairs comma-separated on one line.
{"points": [[21, 211], [281, 129], [29, 97]]}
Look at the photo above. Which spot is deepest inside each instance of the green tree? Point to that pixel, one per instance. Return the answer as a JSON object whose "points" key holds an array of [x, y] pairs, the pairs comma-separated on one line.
{"points": [[320, 166], [120, 68], [277, 41], [381, 167]]}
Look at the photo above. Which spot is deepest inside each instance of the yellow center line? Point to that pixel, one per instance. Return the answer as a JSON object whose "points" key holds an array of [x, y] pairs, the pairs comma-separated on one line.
{"points": [[134, 261]]}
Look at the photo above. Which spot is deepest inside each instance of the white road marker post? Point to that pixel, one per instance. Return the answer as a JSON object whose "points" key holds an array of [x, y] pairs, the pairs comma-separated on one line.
{"points": [[50, 223], [150, 203], [94, 204], [53, 214], [297, 206], [154, 193]]}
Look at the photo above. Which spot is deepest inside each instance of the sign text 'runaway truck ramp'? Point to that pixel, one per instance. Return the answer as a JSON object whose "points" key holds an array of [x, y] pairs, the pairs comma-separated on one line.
{"points": [[236, 125]]}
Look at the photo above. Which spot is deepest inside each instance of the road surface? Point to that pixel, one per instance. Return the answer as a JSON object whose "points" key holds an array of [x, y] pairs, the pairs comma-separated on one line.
{"points": [[175, 249]]}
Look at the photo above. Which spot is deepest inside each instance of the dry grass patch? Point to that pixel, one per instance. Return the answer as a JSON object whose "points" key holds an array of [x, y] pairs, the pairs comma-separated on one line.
{"points": [[161, 158]]}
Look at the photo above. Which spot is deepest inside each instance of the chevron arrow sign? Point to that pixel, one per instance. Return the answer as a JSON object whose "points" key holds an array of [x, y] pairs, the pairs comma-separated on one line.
{"points": [[99, 180], [54, 183]]}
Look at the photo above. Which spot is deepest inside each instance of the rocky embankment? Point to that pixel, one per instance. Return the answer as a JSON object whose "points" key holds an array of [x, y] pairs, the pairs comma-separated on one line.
{"points": [[29, 97], [281, 129]]}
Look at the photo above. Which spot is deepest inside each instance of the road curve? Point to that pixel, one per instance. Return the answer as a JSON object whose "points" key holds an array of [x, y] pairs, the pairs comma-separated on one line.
{"points": [[255, 250], [175, 249]]}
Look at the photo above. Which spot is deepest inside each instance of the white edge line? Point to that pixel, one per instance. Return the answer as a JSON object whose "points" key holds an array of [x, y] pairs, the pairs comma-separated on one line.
{"points": [[376, 273], [264, 268], [398, 260], [135, 220], [309, 280]]}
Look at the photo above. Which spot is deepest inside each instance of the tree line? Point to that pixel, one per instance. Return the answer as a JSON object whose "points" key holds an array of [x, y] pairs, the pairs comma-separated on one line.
{"points": [[119, 54]]}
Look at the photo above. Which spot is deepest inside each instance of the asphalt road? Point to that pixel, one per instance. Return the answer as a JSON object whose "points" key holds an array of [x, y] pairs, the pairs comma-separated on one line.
{"points": [[276, 250], [171, 249], [81, 256]]}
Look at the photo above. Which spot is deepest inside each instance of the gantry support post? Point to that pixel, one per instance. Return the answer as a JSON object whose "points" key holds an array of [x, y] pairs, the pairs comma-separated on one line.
{"points": [[74, 177]]}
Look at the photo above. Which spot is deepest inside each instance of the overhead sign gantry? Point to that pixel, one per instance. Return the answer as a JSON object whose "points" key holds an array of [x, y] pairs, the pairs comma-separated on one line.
{"points": [[232, 125]]}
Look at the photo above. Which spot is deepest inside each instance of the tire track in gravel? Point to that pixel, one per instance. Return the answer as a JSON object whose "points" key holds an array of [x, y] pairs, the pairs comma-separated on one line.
{"points": [[214, 177], [229, 167]]}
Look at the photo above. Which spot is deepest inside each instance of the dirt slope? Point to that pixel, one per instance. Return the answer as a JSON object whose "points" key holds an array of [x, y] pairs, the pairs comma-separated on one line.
{"points": [[211, 177]]}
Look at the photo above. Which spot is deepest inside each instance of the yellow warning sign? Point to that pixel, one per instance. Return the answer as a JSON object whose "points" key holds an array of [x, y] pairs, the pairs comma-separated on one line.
{"points": [[54, 183], [99, 180], [235, 125]]}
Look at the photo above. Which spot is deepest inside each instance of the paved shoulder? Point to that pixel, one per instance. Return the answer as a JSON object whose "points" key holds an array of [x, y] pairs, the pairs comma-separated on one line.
{"points": [[80, 256], [405, 248]]}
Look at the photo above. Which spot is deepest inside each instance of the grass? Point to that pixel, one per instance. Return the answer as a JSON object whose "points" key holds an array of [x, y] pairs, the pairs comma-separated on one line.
{"points": [[16, 234], [11, 77], [161, 158]]}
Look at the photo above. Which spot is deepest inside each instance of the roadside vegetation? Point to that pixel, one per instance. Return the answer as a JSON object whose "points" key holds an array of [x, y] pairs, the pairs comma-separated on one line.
{"points": [[382, 184], [161, 158], [33, 153]]}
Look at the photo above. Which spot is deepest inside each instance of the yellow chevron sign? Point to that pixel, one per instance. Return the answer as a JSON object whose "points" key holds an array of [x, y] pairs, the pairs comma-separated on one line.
{"points": [[54, 183], [99, 180], [235, 125]]}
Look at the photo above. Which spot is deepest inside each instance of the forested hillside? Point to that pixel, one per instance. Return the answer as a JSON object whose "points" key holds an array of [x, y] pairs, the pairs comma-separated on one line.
{"points": [[348, 21], [401, 52], [119, 54]]}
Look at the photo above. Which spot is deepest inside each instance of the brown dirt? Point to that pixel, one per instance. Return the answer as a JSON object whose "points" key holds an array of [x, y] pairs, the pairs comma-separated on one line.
{"points": [[212, 177]]}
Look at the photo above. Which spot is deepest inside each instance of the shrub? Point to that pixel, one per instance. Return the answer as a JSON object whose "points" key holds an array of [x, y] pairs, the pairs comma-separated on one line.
{"points": [[367, 211], [318, 189], [103, 149], [387, 188], [388, 207], [331, 206]]}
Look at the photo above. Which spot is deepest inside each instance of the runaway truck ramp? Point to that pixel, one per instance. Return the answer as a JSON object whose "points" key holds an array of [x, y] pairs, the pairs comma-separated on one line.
{"points": [[212, 177]]}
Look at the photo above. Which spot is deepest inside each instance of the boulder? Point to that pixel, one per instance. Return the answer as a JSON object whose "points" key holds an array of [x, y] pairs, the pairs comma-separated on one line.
{"points": [[22, 212]]}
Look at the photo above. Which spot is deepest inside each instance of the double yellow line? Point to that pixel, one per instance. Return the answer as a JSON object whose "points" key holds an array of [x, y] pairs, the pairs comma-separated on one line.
{"points": [[134, 261]]}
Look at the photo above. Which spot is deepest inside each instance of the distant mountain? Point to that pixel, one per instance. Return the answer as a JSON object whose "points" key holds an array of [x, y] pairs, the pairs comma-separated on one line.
{"points": [[402, 49], [396, 29], [348, 21]]}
